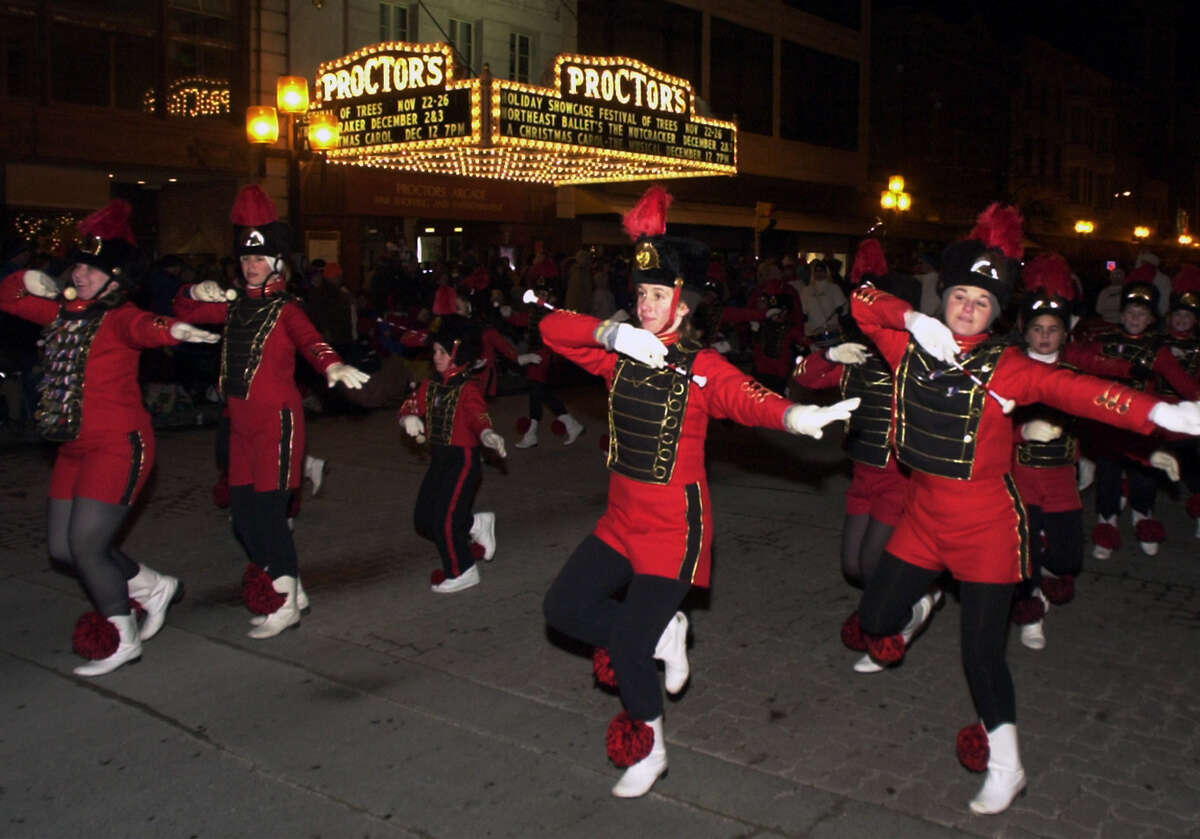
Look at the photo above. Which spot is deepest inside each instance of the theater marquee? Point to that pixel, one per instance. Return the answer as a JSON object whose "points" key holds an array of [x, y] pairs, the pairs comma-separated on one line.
{"points": [[605, 119]]}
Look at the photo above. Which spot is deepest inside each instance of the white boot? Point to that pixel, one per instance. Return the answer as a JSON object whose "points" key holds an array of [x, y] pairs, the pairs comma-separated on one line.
{"points": [[922, 611], [1033, 635], [671, 650], [483, 531], [1099, 551], [129, 648], [1198, 528], [314, 470], [574, 428], [301, 604], [467, 579], [1087, 473], [529, 440], [1148, 548], [639, 778], [287, 615], [1005, 775], [155, 592]]}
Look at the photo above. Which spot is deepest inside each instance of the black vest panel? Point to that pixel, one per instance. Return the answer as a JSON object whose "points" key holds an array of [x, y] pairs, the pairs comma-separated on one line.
{"points": [[65, 346], [1140, 351], [441, 404], [248, 324], [645, 416], [1187, 353], [868, 438], [939, 409]]}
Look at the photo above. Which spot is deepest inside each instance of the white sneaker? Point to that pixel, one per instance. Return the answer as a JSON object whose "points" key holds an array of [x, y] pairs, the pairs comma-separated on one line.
{"points": [[483, 531], [574, 428], [314, 470], [1033, 636], [465, 580]]}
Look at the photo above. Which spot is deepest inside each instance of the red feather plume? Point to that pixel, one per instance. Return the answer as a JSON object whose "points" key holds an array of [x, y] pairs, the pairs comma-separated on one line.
{"points": [[253, 208], [1000, 226], [1142, 275], [649, 215], [1188, 279], [1051, 275], [445, 301], [110, 222], [868, 261]]}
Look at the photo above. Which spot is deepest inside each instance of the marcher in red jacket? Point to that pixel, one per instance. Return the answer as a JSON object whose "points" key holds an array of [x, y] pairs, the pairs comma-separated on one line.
{"points": [[655, 539], [264, 329], [92, 404], [448, 408], [963, 513]]}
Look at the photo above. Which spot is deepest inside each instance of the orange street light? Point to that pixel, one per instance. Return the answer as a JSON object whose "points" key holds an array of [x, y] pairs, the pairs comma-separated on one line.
{"points": [[1083, 227], [1141, 232], [262, 124], [291, 94], [323, 131], [1185, 239], [894, 197]]}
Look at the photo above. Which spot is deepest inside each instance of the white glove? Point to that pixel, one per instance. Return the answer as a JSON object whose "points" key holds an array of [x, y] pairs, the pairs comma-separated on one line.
{"points": [[755, 326], [849, 353], [933, 336], [1183, 418], [1178, 352], [506, 312], [40, 284], [181, 331], [1167, 462], [619, 316], [639, 344], [351, 377], [414, 427], [479, 364], [209, 291], [1041, 431], [722, 346], [529, 358], [492, 440], [771, 313], [810, 419]]}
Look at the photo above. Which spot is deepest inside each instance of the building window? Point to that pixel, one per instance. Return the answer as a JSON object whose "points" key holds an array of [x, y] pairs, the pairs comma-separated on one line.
{"points": [[742, 84], [1075, 184], [845, 12], [462, 38], [518, 57], [393, 22], [819, 100], [667, 36]]}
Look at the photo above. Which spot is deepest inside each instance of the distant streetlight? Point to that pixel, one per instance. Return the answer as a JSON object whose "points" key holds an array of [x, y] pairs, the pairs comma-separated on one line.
{"points": [[1084, 227], [894, 197], [1185, 239], [1141, 232]]}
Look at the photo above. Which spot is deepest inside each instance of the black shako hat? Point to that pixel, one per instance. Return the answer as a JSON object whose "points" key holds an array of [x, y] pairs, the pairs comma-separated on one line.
{"points": [[257, 228], [990, 258], [458, 335], [106, 241], [658, 259]]}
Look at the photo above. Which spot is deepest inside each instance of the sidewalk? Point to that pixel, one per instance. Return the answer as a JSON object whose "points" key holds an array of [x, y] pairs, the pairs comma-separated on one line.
{"points": [[396, 712]]}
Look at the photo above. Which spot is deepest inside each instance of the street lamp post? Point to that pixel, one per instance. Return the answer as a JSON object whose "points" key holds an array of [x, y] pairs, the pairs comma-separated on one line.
{"points": [[291, 98], [894, 197]]}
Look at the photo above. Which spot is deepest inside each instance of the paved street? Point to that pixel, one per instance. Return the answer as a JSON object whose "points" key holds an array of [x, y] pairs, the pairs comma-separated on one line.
{"points": [[394, 712]]}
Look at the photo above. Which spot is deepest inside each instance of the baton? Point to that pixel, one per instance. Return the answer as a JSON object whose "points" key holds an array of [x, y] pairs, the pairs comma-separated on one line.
{"points": [[1006, 405], [530, 296]]}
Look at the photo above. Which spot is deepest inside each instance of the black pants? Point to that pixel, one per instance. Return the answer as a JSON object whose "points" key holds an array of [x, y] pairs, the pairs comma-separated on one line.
{"points": [[580, 603], [1143, 486], [260, 522], [80, 534], [539, 393], [1062, 553], [443, 513], [887, 605]]}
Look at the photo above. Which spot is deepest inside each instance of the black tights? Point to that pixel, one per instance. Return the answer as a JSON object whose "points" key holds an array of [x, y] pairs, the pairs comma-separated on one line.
{"points": [[260, 522], [887, 605], [80, 534], [580, 603], [863, 541], [1063, 552], [539, 394]]}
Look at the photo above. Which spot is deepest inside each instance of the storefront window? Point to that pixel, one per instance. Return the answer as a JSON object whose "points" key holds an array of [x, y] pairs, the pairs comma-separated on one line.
{"points": [[18, 70], [741, 85]]}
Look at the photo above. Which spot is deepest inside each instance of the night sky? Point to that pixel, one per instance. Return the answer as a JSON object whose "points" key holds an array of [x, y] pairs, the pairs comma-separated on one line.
{"points": [[1102, 34]]}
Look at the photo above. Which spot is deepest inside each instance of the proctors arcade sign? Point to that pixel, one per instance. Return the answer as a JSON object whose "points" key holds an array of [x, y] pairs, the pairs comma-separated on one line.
{"points": [[400, 106]]}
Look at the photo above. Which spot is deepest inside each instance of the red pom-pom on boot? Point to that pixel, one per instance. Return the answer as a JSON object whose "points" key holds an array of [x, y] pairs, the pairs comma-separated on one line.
{"points": [[259, 593], [972, 747], [639, 746], [94, 637], [1058, 590], [602, 668], [852, 634]]}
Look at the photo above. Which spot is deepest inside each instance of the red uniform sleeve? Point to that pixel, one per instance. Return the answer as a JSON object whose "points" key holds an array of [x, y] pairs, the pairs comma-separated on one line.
{"points": [[137, 328], [573, 336], [307, 340], [1089, 357], [473, 408], [414, 405], [881, 318], [15, 300], [519, 318], [495, 343], [193, 311], [1028, 381], [1168, 366], [740, 314], [731, 394], [817, 372]]}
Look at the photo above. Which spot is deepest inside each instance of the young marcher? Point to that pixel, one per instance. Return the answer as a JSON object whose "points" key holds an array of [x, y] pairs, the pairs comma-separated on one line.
{"points": [[955, 386], [655, 539], [264, 329], [91, 403], [448, 408]]}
